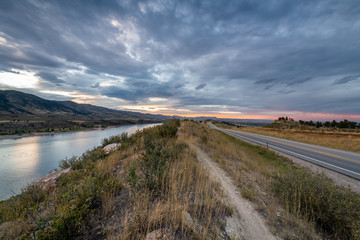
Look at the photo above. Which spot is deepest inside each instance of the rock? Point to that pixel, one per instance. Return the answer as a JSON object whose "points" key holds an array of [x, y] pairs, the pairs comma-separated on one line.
{"points": [[187, 219], [111, 147], [49, 180], [160, 234], [233, 228], [191, 223]]}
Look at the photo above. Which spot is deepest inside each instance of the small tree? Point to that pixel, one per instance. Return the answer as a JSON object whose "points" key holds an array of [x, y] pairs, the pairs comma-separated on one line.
{"points": [[318, 124], [334, 124], [352, 125]]}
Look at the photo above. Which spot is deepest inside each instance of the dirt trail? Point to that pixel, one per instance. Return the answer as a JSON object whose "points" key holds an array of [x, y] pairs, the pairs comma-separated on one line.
{"points": [[251, 222]]}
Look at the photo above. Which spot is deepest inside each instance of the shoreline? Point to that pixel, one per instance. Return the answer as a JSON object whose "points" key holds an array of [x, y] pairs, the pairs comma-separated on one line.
{"points": [[44, 178], [36, 134]]}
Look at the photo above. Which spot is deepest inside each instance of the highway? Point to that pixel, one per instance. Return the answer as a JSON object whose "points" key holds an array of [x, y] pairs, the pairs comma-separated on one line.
{"points": [[343, 162]]}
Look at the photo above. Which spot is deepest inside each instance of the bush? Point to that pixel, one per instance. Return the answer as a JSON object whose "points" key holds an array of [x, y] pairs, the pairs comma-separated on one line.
{"points": [[158, 155], [23, 205], [79, 194], [335, 209], [85, 160], [63, 212], [159, 151]]}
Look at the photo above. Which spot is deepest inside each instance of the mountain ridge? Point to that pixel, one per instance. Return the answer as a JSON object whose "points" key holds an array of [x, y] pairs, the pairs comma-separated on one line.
{"points": [[15, 103]]}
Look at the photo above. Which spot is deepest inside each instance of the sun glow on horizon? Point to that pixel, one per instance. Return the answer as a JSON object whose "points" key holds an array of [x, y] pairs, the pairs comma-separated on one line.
{"points": [[298, 116], [268, 115], [259, 117]]}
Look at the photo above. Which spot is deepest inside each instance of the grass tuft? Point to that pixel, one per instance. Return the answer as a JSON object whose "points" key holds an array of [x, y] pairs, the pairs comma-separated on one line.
{"points": [[336, 210]]}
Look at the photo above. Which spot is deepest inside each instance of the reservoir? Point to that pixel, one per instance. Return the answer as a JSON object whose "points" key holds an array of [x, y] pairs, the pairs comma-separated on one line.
{"points": [[24, 160]]}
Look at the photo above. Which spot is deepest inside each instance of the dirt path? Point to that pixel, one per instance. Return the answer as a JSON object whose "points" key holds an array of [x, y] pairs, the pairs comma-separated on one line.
{"points": [[251, 223]]}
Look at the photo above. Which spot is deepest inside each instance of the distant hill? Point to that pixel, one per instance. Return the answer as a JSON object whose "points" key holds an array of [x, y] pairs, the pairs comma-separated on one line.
{"points": [[15, 103], [287, 124], [20, 105]]}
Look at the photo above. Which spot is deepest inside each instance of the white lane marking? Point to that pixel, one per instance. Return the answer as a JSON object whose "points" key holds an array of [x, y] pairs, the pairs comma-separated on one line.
{"points": [[313, 159], [335, 151]]}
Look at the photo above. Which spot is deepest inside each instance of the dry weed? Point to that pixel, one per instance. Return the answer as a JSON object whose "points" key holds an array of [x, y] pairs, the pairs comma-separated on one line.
{"points": [[252, 169], [339, 140]]}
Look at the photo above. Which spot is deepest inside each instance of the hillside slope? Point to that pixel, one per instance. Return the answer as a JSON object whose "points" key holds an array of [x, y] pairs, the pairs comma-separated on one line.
{"points": [[23, 113], [14, 103]]}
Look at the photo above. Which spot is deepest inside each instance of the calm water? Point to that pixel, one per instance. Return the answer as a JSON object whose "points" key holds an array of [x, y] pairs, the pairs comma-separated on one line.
{"points": [[26, 159]]}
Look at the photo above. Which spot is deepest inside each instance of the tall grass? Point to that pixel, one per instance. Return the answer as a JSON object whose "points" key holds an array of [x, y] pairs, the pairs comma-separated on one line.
{"points": [[189, 204], [152, 183], [170, 191], [296, 203], [335, 210], [156, 184]]}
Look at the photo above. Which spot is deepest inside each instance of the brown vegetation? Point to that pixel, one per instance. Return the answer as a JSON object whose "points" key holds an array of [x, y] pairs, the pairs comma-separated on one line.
{"points": [[152, 184], [302, 207], [346, 141]]}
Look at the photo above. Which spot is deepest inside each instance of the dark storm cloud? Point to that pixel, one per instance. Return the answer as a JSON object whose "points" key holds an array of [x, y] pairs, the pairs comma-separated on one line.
{"points": [[273, 55], [137, 90], [200, 86], [49, 77], [346, 79], [12, 58]]}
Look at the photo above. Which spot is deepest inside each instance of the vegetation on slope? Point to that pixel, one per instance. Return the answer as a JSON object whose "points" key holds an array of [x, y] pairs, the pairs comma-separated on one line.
{"points": [[22, 113], [289, 123], [152, 183], [55, 124], [297, 203]]}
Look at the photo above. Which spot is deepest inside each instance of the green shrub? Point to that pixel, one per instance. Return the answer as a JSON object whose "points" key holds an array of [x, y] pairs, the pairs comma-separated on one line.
{"points": [[112, 139], [247, 193], [159, 151], [132, 177], [154, 162], [79, 194], [123, 138], [84, 161], [63, 212], [336, 210]]}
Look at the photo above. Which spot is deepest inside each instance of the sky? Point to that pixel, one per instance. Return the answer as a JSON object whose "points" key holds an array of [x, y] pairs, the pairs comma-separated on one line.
{"points": [[234, 58]]}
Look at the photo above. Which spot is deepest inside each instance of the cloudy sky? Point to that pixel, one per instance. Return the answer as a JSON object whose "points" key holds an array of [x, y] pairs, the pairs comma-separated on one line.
{"points": [[240, 59]]}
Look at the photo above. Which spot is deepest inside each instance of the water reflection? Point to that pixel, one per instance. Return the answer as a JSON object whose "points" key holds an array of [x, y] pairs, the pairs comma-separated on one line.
{"points": [[24, 160]]}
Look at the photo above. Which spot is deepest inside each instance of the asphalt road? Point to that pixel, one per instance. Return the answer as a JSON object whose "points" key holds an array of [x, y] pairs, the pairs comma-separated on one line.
{"points": [[343, 162]]}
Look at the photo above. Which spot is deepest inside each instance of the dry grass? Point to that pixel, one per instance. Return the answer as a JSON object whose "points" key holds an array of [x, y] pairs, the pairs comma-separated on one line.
{"points": [[11, 229], [186, 204], [297, 203], [111, 165], [252, 169], [339, 140], [189, 207]]}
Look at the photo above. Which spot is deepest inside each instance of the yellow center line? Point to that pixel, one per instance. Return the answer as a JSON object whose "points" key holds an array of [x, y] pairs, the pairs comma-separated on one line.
{"points": [[352, 160]]}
